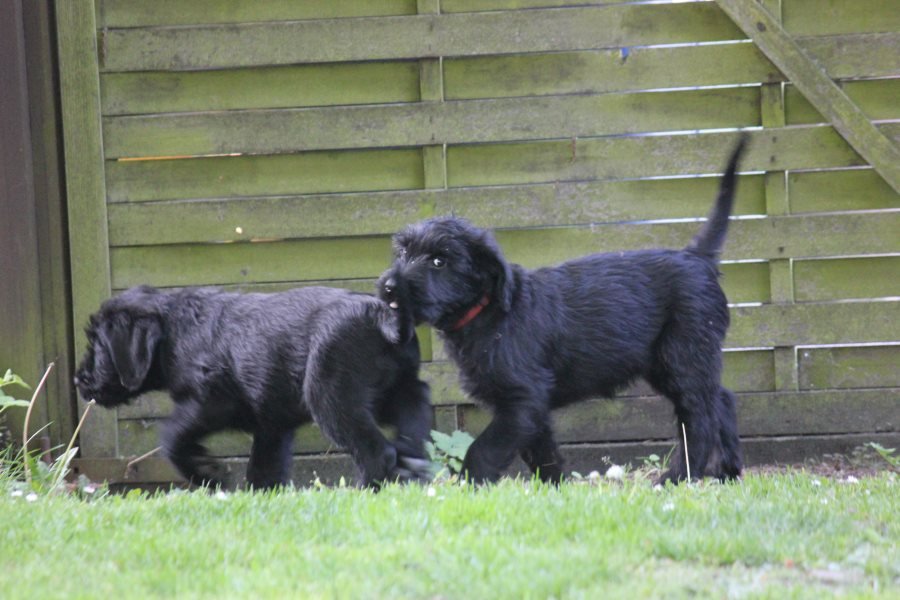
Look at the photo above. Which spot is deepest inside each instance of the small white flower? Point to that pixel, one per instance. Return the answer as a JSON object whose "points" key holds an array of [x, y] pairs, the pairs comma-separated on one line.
{"points": [[17, 493], [430, 492], [615, 472], [89, 489], [852, 479], [668, 506], [31, 497], [816, 483], [220, 495], [824, 501], [657, 487], [594, 476]]}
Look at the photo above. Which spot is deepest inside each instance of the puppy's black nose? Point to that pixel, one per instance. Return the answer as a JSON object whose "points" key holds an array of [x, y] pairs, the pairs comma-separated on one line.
{"points": [[389, 286]]}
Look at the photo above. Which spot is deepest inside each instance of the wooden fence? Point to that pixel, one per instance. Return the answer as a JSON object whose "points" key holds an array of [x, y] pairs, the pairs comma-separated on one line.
{"points": [[264, 145]]}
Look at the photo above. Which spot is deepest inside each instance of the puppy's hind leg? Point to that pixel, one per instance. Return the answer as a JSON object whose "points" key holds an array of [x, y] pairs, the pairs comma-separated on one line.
{"points": [[407, 407], [732, 461], [181, 436], [270, 459]]}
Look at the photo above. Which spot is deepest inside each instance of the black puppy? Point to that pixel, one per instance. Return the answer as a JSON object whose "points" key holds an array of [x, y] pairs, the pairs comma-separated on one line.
{"points": [[529, 341], [265, 364]]}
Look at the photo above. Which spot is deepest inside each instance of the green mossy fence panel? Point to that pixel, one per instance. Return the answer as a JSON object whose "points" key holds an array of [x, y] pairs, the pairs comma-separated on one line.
{"points": [[847, 279], [127, 13], [262, 146], [266, 87], [642, 68], [849, 367]]}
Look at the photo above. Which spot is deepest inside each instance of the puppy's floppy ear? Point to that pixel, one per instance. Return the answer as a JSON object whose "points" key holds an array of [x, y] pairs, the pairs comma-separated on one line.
{"points": [[131, 348], [489, 258]]}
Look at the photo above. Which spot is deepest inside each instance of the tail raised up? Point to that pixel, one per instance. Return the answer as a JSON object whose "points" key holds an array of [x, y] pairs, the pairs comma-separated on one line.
{"points": [[711, 237]]}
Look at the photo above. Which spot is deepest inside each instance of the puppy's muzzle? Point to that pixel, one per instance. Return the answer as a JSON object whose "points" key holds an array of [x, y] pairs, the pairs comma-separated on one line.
{"points": [[389, 290]]}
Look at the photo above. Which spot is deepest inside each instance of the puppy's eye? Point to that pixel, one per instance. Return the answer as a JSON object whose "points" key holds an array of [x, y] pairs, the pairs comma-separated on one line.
{"points": [[438, 262]]}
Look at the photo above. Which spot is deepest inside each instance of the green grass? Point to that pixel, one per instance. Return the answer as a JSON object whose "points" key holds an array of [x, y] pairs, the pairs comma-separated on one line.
{"points": [[778, 536]]}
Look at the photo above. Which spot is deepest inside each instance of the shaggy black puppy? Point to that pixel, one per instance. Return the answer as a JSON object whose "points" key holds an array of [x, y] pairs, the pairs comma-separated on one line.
{"points": [[528, 341], [265, 364]]}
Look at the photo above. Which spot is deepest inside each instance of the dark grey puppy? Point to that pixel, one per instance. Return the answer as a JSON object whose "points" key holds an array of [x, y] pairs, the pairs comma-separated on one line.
{"points": [[528, 341], [265, 364]]}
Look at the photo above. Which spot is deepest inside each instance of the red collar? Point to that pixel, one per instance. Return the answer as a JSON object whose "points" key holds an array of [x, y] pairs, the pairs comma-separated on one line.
{"points": [[471, 313]]}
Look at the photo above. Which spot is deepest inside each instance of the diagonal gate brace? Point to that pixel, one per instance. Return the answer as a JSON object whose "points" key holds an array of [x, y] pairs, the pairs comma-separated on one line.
{"points": [[815, 84]]}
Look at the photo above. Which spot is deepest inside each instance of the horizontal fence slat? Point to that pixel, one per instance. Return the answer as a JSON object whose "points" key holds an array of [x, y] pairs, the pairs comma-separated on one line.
{"points": [[455, 6], [385, 38], [856, 189], [599, 71], [264, 87], [457, 122], [593, 71], [849, 367], [128, 13], [773, 237], [758, 414], [584, 458], [628, 157], [331, 215], [811, 324], [139, 436], [814, 17], [471, 165], [848, 278], [313, 172], [214, 264], [359, 257], [616, 419], [876, 98]]}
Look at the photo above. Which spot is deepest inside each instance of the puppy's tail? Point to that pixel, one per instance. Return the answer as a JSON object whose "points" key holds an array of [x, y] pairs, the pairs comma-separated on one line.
{"points": [[711, 238]]}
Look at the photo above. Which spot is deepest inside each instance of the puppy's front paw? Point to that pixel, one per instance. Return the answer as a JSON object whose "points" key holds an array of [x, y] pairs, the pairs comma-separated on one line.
{"points": [[413, 469]]}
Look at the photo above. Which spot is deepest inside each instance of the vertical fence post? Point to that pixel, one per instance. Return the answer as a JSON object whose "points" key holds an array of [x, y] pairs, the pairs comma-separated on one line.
{"points": [[79, 72], [781, 277]]}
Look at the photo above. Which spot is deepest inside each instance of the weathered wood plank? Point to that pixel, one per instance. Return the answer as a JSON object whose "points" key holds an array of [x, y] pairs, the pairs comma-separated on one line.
{"points": [[362, 257], [876, 98], [811, 324], [386, 38], [453, 6], [457, 122], [849, 367], [85, 191], [858, 189], [844, 115], [331, 215], [471, 165], [582, 458], [328, 468], [629, 157], [264, 87], [139, 436], [319, 259], [617, 420], [599, 71], [127, 13], [848, 278], [774, 237], [314, 172], [758, 414], [814, 17]]}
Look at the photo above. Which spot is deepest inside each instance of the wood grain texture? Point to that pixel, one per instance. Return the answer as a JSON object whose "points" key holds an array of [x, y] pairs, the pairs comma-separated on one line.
{"points": [[85, 189]]}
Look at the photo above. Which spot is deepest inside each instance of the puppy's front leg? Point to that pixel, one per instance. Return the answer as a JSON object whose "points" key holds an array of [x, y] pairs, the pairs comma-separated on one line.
{"points": [[513, 429], [543, 458], [181, 433], [270, 459]]}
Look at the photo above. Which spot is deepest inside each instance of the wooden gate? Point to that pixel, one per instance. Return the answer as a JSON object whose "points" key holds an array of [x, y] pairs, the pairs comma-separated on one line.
{"points": [[263, 145]]}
